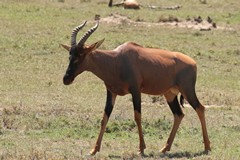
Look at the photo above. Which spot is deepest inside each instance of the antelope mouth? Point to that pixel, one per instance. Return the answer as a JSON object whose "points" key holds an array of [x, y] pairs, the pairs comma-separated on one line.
{"points": [[68, 79]]}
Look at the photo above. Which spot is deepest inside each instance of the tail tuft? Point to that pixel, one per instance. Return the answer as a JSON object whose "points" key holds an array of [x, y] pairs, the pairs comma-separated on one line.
{"points": [[182, 101]]}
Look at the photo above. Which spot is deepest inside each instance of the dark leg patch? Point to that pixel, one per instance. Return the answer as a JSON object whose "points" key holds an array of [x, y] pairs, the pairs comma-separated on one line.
{"points": [[175, 107], [109, 105], [136, 98]]}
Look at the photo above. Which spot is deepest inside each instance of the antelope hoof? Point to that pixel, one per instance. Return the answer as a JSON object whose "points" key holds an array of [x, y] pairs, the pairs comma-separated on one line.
{"points": [[207, 147], [207, 150], [165, 148], [141, 153], [93, 151], [141, 150]]}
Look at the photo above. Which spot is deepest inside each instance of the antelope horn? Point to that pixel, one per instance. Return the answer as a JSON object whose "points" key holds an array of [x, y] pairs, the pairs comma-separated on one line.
{"points": [[75, 32], [88, 34]]}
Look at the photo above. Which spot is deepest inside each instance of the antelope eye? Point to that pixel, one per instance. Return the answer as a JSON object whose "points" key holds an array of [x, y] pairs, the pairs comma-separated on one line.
{"points": [[75, 60], [81, 55]]}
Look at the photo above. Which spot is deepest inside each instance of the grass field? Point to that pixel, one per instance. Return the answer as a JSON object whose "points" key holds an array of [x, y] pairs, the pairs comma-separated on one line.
{"points": [[43, 119]]}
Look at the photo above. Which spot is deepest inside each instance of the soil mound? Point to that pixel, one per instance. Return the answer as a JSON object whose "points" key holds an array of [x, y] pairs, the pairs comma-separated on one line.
{"points": [[171, 21]]}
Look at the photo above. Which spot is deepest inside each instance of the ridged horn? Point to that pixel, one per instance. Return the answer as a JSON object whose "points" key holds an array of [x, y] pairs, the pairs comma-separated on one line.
{"points": [[75, 32], [88, 34]]}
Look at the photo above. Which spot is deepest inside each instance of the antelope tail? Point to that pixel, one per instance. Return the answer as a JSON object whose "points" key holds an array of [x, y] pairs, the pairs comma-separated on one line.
{"points": [[182, 101]]}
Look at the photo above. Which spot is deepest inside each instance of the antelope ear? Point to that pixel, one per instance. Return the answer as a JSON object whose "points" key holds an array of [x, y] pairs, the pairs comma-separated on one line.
{"points": [[66, 47], [97, 44]]}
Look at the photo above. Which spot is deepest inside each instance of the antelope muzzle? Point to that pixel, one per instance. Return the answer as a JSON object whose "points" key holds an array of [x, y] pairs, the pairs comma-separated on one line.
{"points": [[68, 79]]}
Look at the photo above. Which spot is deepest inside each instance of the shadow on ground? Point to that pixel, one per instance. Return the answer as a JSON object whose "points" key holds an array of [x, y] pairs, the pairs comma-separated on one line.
{"points": [[185, 154], [176, 155]]}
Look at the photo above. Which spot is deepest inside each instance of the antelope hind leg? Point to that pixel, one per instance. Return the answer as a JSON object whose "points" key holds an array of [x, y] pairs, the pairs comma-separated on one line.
{"points": [[178, 116]]}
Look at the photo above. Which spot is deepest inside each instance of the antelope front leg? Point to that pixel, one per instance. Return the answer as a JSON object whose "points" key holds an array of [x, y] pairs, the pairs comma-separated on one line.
{"points": [[136, 96], [108, 110], [99, 140], [142, 146]]}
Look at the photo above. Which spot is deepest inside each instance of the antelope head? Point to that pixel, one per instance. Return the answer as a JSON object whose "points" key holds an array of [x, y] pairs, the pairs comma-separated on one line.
{"points": [[78, 53]]}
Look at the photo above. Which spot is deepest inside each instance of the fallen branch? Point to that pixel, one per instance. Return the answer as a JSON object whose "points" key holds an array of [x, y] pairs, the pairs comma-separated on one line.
{"points": [[175, 7]]}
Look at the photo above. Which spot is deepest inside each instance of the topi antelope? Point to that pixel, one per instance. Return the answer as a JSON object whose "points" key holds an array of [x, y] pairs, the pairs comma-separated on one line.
{"points": [[131, 68]]}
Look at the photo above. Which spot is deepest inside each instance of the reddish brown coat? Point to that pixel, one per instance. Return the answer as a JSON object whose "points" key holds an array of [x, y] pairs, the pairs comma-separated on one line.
{"points": [[154, 71]]}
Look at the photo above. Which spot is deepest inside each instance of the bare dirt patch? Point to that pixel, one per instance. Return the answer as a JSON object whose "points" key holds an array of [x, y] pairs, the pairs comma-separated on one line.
{"points": [[191, 23]]}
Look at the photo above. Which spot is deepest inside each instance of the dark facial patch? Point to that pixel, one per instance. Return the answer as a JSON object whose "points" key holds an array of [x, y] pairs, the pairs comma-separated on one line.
{"points": [[75, 59]]}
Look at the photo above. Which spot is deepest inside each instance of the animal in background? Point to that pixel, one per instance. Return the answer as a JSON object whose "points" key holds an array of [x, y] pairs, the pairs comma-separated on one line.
{"points": [[127, 4]]}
